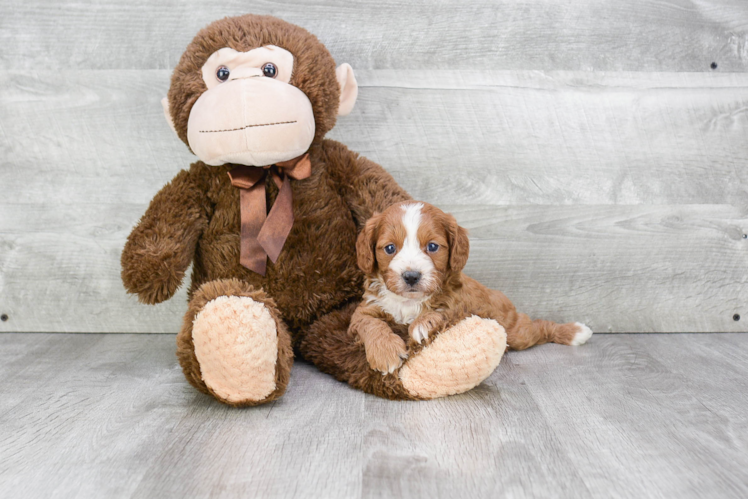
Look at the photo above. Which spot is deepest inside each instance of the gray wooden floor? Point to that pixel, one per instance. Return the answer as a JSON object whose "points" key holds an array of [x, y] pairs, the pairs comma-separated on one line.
{"points": [[627, 415]]}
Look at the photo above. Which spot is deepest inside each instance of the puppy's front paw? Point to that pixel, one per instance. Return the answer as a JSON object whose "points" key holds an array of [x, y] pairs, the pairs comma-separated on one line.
{"points": [[386, 354], [419, 332], [425, 326]]}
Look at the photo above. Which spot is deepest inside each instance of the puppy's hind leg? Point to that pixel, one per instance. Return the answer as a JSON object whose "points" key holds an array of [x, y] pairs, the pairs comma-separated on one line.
{"points": [[527, 333]]}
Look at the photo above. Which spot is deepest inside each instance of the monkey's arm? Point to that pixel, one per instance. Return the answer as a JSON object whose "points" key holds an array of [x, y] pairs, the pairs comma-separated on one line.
{"points": [[161, 246], [366, 187]]}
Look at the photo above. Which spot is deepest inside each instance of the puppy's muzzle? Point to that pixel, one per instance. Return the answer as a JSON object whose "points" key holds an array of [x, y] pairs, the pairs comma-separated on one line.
{"points": [[411, 277]]}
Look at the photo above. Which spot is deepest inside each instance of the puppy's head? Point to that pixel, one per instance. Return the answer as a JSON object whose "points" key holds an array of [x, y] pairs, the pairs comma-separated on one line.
{"points": [[412, 247]]}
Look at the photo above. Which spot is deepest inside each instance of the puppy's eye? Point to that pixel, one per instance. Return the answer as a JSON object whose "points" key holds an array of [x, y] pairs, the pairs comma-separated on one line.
{"points": [[389, 249], [432, 247], [222, 74], [270, 70]]}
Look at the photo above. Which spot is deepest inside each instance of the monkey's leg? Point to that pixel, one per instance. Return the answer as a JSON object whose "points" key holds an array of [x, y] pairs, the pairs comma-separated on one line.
{"points": [[455, 361], [526, 333], [234, 345]]}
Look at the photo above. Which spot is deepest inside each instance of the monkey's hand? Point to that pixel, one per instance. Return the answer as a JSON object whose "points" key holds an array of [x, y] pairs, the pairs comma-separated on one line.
{"points": [[160, 248], [426, 325]]}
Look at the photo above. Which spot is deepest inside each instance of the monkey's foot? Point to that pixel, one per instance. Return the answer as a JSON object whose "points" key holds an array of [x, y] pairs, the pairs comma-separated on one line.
{"points": [[236, 343], [233, 345], [457, 360]]}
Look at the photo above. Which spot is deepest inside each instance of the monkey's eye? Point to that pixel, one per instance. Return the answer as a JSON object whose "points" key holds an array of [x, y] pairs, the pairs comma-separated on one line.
{"points": [[389, 249], [222, 74], [432, 247], [270, 70]]}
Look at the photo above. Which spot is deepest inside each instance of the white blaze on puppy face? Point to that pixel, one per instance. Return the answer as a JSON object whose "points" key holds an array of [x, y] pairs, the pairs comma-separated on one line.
{"points": [[411, 256]]}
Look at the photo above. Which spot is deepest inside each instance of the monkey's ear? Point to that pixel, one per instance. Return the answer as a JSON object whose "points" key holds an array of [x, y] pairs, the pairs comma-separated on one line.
{"points": [[348, 88], [167, 114]]}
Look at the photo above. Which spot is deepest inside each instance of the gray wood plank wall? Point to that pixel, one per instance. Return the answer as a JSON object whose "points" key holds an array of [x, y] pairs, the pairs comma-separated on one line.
{"points": [[597, 158]]}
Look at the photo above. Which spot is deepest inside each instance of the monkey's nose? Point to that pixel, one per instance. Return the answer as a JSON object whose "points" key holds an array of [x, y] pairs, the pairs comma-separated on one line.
{"points": [[411, 277]]}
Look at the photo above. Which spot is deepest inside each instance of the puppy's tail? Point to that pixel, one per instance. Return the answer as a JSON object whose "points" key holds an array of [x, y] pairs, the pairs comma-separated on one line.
{"points": [[527, 333]]}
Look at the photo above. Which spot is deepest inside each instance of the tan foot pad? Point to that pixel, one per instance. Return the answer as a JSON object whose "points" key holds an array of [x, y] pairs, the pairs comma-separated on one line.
{"points": [[236, 343], [457, 360]]}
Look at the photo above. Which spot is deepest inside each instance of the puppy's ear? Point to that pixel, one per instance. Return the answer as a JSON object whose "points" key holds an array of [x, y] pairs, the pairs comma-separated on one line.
{"points": [[365, 245], [459, 245]]}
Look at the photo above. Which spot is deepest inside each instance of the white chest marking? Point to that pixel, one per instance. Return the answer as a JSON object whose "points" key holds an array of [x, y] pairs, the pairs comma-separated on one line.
{"points": [[403, 310]]}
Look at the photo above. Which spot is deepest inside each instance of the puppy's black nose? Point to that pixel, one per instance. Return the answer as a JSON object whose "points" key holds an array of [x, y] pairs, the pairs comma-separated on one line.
{"points": [[411, 277]]}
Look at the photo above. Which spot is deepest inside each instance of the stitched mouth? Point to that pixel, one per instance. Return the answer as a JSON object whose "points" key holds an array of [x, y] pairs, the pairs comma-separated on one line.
{"points": [[246, 127]]}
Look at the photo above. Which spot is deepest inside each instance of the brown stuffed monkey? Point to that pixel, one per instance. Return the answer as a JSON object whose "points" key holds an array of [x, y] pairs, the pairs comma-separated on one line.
{"points": [[269, 218]]}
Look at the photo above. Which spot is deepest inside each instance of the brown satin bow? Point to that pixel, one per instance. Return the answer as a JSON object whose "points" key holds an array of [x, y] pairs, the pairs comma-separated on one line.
{"points": [[263, 234]]}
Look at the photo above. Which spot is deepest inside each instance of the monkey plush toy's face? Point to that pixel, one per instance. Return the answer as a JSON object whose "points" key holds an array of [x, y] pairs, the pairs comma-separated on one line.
{"points": [[249, 106], [250, 114]]}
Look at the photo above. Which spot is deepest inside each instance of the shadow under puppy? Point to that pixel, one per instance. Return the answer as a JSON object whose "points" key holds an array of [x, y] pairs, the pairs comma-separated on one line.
{"points": [[413, 254]]}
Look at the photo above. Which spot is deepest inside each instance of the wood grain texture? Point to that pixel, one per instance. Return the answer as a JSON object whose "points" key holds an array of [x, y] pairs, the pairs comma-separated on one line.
{"points": [[498, 137], [615, 199], [615, 267], [641, 411], [601, 35], [623, 416], [612, 267], [557, 138]]}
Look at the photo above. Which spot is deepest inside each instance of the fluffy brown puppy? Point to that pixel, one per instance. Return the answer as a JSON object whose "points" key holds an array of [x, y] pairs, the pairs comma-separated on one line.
{"points": [[269, 218], [413, 255]]}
